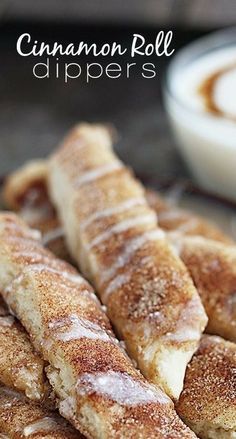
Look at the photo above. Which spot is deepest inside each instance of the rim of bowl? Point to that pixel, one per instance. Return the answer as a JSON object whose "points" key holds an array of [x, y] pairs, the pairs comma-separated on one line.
{"points": [[193, 51]]}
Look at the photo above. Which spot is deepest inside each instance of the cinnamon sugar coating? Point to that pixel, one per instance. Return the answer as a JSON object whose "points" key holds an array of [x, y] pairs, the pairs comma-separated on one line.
{"points": [[16, 186], [98, 389], [173, 218], [20, 418], [113, 235], [21, 367], [218, 299], [212, 266], [25, 192], [208, 401]]}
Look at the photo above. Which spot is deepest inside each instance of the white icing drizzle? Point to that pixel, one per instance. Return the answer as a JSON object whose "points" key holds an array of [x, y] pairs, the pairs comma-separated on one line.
{"points": [[4, 436], [120, 388], [78, 328], [7, 321], [56, 233], [176, 241], [183, 334], [30, 240], [65, 274], [28, 234], [131, 247], [188, 222], [122, 226], [121, 279], [43, 263], [116, 283], [188, 324], [97, 173], [45, 424], [122, 207]]}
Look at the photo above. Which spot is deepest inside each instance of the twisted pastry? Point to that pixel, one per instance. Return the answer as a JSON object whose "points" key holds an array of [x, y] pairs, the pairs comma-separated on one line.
{"points": [[208, 401], [20, 418], [98, 389], [21, 368], [113, 235], [25, 192], [211, 260], [173, 218], [211, 265]]}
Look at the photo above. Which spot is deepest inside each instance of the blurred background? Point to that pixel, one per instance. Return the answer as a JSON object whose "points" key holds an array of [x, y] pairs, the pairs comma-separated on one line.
{"points": [[35, 114]]}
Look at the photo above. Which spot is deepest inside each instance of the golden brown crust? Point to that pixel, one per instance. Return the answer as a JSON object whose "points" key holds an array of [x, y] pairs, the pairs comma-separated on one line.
{"points": [[98, 388], [210, 262], [25, 191], [208, 401], [173, 218], [212, 266], [21, 418], [16, 186], [113, 235], [21, 367]]}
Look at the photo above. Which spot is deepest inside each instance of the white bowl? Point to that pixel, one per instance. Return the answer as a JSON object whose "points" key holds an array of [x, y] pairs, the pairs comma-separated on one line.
{"points": [[206, 141]]}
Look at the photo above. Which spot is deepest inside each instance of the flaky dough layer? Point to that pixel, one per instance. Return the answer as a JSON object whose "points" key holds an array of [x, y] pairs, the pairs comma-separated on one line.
{"points": [[208, 401], [113, 235], [20, 418], [98, 389]]}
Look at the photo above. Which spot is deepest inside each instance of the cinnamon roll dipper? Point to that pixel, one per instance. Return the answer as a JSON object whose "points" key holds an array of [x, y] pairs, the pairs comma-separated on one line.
{"points": [[174, 218], [20, 418], [25, 192], [99, 391], [208, 401], [21, 367], [212, 266], [215, 282], [210, 256], [113, 235]]}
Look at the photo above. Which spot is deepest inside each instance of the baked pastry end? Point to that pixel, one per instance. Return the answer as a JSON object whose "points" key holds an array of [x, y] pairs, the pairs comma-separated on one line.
{"points": [[208, 402]]}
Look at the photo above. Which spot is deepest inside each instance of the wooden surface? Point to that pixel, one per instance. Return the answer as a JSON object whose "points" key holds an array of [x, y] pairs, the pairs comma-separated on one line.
{"points": [[200, 13]]}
